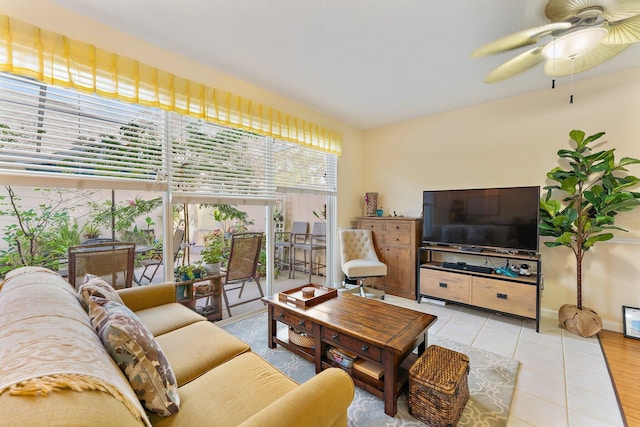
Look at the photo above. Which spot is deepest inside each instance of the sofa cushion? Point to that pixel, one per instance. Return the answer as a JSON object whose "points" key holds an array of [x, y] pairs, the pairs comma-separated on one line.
{"points": [[167, 317], [208, 346], [136, 351], [93, 285], [242, 386]]}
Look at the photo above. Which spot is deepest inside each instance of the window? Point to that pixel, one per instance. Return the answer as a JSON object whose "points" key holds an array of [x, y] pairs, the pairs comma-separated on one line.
{"points": [[57, 137]]}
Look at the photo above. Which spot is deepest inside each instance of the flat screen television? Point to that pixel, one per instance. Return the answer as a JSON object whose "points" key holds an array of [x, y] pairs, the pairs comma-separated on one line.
{"points": [[498, 218]]}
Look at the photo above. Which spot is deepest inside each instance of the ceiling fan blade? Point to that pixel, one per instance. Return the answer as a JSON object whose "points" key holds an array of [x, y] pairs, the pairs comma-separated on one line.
{"points": [[519, 39], [565, 67], [516, 65], [611, 10], [624, 31]]}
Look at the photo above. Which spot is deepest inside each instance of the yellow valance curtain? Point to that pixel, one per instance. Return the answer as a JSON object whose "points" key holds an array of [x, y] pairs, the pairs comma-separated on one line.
{"points": [[55, 59]]}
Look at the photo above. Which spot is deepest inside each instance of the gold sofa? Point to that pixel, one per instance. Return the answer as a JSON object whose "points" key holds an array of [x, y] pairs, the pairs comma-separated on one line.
{"points": [[220, 381]]}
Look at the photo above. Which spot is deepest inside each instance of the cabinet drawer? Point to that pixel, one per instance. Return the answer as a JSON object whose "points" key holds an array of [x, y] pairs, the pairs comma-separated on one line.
{"points": [[347, 342], [394, 238], [293, 319], [375, 226], [508, 297], [442, 284], [397, 227]]}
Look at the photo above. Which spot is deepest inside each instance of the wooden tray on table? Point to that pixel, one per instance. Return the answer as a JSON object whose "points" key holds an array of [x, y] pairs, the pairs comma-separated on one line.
{"points": [[294, 296]]}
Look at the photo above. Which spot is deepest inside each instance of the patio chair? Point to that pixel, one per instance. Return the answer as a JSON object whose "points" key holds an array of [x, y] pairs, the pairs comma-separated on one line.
{"points": [[284, 241], [106, 259], [310, 243], [242, 267], [152, 265]]}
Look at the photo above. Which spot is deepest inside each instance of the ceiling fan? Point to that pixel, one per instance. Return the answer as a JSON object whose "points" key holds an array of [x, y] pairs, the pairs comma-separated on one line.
{"points": [[581, 35]]}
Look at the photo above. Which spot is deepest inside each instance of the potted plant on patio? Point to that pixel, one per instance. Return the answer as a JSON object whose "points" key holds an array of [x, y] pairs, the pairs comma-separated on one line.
{"points": [[592, 190], [214, 246], [189, 272]]}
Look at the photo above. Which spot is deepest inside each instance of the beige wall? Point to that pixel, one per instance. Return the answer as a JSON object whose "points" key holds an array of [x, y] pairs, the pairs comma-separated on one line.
{"points": [[513, 142]]}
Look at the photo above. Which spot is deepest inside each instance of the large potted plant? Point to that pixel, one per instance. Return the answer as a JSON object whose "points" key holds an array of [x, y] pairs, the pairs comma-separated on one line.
{"points": [[211, 255], [592, 188]]}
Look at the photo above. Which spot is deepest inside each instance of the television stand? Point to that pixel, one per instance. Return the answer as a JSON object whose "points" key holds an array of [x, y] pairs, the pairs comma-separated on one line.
{"points": [[458, 275], [471, 249]]}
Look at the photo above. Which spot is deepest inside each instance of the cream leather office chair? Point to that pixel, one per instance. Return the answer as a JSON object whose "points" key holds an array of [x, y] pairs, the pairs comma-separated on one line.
{"points": [[360, 261]]}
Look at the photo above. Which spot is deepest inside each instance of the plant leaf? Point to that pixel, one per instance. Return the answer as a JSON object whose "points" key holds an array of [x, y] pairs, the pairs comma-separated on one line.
{"points": [[628, 161], [592, 137], [598, 238], [577, 136]]}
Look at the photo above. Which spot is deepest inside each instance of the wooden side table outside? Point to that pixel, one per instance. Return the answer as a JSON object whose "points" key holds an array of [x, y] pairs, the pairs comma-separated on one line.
{"points": [[185, 294]]}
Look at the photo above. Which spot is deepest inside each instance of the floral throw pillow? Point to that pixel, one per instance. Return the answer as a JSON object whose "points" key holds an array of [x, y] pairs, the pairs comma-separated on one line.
{"points": [[137, 353], [96, 286]]}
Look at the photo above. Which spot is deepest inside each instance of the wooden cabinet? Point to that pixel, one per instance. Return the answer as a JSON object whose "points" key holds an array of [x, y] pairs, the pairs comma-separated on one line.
{"points": [[518, 295], [396, 240]]}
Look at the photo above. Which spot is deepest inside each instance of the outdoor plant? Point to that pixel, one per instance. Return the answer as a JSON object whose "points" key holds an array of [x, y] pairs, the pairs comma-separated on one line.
{"points": [[91, 231], [189, 272], [262, 264], [40, 236], [591, 189], [214, 247], [124, 214], [229, 216]]}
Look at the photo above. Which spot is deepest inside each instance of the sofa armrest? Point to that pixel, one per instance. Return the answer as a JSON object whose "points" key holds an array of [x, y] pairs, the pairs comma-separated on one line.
{"points": [[148, 296], [323, 400]]}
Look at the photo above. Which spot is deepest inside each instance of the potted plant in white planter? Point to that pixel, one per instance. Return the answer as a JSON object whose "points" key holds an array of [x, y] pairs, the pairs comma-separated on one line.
{"points": [[592, 190], [214, 246]]}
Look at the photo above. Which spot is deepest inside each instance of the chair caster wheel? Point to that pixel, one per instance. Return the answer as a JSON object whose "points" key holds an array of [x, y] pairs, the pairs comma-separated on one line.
{"points": [[382, 297]]}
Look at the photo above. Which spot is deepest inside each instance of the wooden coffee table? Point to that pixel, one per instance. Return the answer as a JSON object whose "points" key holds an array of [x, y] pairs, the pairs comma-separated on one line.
{"points": [[376, 331]]}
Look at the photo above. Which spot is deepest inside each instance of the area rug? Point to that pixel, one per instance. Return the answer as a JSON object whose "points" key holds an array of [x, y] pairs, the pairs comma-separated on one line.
{"points": [[491, 380]]}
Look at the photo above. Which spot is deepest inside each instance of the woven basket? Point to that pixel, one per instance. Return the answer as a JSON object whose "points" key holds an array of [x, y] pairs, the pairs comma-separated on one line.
{"points": [[438, 386], [301, 338], [203, 288]]}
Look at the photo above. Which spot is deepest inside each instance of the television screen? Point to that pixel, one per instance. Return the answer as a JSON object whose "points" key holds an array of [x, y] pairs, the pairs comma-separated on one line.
{"points": [[502, 218]]}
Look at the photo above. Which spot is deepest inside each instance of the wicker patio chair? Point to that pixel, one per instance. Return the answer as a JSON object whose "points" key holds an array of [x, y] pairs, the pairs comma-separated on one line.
{"points": [[107, 260]]}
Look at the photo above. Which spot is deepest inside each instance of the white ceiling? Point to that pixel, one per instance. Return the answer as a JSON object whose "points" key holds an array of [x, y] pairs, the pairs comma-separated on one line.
{"points": [[369, 63]]}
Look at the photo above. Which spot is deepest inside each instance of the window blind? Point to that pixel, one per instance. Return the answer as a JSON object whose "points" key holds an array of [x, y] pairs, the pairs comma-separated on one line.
{"points": [[64, 138], [216, 164], [60, 137], [301, 170]]}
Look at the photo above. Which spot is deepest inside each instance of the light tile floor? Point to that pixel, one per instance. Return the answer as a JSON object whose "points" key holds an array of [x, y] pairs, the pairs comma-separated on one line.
{"points": [[563, 378]]}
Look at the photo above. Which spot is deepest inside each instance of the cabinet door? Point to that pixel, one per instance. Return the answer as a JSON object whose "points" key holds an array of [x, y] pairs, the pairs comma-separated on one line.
{"points": [[400, 278]]}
